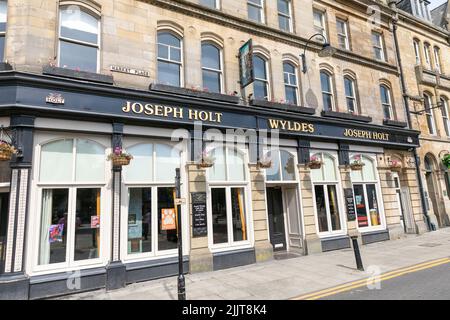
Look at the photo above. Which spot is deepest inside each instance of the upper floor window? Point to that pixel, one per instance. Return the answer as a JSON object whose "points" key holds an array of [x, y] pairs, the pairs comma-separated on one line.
{"points": [[319, 24], [170, 63], [261, 83], [78, 39], [429, 114], [342, 33], [285, 15], [3, 11], [212, 67], [437, 59], [417, 52], [378, 46], [210, 3], [427, 53], [350, 94], [290, 83], [444, 108], [386, 101], [327, 90], [256, 10]]}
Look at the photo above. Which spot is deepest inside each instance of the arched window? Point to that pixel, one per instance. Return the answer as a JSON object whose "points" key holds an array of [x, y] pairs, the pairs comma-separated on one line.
{"points": [[437, 59], [429, 114], [212, 67], [228, 220], [150, 180], [285, 15], [3, 13], [365, 190], [170, 59], [283, 166], [79, 39], [386, 101], [350, 94], [427, 54], [445, 118], [290, 83], [261, 83], [326, 82], [71, 210], [255, 10], [416, 45], [326, 194], [210, 3]]}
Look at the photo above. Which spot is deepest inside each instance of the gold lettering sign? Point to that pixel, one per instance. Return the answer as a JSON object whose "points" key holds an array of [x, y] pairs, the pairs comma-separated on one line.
{"points": [[171, 112], [368, 135], [291, 126]]}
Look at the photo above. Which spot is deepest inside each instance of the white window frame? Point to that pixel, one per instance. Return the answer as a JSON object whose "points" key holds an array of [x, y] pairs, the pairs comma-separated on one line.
{"points": [[260, 8], [331, 83], [3, 33], [344, 35], [322, 29], [266, 81], [427, 52], [41, 139], [227, 185], [379, 46], [416, 44], [429, 114], [355, 94], [83, 43], [277, 151], [296, 74], [218, 71], [379, 195], [216, 4], [340, 197], [437, 59], [154, 185], [445, 117], [181, 48], [389, 105], [288, 16]]}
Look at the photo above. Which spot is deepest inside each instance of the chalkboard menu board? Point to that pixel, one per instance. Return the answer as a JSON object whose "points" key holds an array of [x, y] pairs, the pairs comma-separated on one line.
{"points": [[350, 203], [199, 225]]}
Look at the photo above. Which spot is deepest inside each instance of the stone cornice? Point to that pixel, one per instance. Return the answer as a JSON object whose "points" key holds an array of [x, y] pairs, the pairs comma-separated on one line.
{"points": [[419, 26], [262, 30]]}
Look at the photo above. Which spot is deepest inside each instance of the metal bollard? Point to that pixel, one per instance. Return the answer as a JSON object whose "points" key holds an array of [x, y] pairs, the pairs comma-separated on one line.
{"points": [[359, 264]]}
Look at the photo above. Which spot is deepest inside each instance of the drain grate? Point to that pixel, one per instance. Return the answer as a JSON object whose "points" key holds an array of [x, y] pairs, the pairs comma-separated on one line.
{"points": [[430, 245]]}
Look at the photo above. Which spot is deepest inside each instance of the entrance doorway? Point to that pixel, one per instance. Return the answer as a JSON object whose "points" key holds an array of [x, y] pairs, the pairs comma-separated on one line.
{"points": [[276, 218], [4, 199], [432, 192], [404, 200]]}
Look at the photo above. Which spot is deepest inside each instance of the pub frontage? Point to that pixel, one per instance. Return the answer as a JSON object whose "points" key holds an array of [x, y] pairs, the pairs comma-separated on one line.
{"points": [[255, 181]]}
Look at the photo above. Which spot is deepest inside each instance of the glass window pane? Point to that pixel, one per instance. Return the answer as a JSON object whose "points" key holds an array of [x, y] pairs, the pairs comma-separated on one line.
{"points": [[2, 48], [238, 213], [283, 6], [325, 82], [373, 205], [218, 171], [350, 105], [334, 208], [288, 166], [273, 173], [360, 204], [175, 54], [235, 164], [211, 81], [141, 167], [3, 12], [210, 57], [163, 51], [260, 90], [259, 64], [368, 170], [77, 57], [287, 67], [291, 95], [349, 87], [208, 3], [79, 25], [293, 79], [56, 161], [254, 13], [327, 102], [219, 215], [169, 39], [167, 160], [169, 73], [87, 224], [140, 220], [167, 239], [90, 161], [329, 168], [321, 208], [53, 233], [284, 23]]}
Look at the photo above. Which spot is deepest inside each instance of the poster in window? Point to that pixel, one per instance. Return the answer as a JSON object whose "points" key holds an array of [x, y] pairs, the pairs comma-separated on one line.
{"points": [[246, 63], [168, 219], [56, 233], [95, 222]]}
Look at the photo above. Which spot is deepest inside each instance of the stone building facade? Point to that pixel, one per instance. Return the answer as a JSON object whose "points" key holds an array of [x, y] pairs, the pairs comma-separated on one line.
{"points": [[315, 150]]}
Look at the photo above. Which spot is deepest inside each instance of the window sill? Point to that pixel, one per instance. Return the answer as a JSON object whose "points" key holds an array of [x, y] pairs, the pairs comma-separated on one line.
{"points": [[282, 106], [74, 74], [394, 123], [346, 116], [195, 93], [5, 66]]}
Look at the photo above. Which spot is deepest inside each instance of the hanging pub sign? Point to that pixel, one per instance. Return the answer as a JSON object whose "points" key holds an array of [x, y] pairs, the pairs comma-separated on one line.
{"points": [[246, 63]]}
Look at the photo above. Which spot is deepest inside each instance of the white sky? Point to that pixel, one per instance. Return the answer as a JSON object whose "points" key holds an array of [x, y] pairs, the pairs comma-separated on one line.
{"points": [[436, 3]]}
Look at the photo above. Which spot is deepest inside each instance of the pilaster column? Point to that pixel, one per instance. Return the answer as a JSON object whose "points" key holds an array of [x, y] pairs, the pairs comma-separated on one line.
{"points": [[410, 177], [14, 282], [116, 270]]}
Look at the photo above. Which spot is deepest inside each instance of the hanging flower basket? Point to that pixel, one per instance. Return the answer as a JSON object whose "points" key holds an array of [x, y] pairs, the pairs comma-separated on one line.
{"points": [[6, 151], [357, 164], [446, 161], [207, 160], [265, 163], [395, 165], [315, 163], [120, 158]]}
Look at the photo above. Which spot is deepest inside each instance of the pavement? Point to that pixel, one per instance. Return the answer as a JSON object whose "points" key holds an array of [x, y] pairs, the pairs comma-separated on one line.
{"points": [[293, 276]]}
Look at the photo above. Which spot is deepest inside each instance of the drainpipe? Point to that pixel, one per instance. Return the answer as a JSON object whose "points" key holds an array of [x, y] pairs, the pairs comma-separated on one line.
{"points": [[393, 6]]}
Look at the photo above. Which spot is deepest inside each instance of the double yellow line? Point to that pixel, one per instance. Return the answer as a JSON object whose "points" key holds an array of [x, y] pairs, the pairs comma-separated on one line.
{"points": [[371, 280]]}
